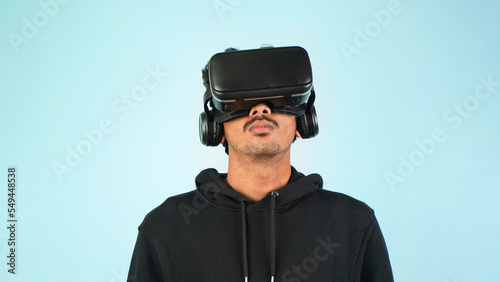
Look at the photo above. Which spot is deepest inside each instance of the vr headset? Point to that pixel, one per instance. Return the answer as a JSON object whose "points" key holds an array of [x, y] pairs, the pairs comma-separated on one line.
{"points": [[238, 80]]}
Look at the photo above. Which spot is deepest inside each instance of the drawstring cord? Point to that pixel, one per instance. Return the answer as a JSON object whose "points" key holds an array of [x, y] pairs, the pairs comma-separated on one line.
{"points": [[274, 195], [244, 237]]}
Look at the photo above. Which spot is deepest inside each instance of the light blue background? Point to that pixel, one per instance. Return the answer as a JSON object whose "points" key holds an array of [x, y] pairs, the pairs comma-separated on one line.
{"points": [[440, 224]]}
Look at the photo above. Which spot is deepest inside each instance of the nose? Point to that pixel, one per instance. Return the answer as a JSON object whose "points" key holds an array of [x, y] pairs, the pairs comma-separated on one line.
{"points": [[260, 109]]}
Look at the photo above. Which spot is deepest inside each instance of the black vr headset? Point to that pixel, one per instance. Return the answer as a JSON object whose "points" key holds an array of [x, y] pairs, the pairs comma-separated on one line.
{"points": [[238, 80]]}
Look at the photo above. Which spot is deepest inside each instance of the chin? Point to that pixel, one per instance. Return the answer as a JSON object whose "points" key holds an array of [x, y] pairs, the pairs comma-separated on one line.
{"points": [[264, 150]]}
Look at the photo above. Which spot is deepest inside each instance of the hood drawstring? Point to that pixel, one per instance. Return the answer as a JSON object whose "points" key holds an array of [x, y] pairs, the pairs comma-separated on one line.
{"points": [[244, 239], [274, 195]]}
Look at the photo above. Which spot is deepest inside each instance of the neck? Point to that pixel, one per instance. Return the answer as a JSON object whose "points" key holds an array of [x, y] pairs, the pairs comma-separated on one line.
{"points": [[257, 177]]}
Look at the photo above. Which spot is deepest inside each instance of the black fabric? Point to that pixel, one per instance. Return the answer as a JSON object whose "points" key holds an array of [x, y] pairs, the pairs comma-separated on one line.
{"points": [[319, 236]]}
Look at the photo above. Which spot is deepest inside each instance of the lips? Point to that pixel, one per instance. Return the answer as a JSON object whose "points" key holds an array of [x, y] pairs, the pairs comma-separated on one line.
{"points": [[261, 126]]}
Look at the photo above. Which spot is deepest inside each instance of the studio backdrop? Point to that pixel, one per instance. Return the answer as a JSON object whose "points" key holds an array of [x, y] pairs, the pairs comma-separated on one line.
{"points": [[99, 107]]}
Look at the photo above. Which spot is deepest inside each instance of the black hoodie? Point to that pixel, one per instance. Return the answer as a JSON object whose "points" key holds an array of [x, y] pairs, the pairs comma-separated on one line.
{"points": [[297, 233]]}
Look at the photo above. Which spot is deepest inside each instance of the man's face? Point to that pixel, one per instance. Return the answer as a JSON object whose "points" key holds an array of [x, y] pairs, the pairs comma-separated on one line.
{"points": [[261, 133]]}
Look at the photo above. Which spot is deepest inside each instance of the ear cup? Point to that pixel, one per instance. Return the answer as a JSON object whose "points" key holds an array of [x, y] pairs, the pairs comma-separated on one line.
{"points": [[307, 124], [211, 132]]}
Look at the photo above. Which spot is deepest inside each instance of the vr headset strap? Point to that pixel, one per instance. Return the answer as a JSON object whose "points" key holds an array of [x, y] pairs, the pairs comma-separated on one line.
{"points": [[207, 97], [310, 102]]}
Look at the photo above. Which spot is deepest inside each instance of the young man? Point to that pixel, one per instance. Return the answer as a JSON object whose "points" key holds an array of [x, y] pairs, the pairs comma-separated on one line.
{"points": [[263, 220]]}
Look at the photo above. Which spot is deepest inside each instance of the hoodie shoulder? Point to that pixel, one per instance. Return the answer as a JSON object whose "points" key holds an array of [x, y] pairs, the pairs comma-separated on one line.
{"points": [[345, 204], [170, 210]]}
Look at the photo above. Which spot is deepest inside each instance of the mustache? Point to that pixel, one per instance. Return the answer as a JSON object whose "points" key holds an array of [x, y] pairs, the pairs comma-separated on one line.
{"points": [[261, 117]]}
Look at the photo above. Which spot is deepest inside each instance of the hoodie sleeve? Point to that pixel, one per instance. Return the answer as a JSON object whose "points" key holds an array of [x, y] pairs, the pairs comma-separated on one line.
{"points": [[145, 265], [374, 264]]}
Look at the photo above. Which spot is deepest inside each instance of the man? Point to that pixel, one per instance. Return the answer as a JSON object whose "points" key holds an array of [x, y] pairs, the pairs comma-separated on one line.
{"points": [[263, 220]]}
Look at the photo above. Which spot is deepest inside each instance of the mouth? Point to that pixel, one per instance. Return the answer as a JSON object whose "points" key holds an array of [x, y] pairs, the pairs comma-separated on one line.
{"points": [[261, 127]]}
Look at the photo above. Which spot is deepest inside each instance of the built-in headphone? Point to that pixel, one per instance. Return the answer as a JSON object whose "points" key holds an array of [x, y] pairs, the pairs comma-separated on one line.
{"points": [[307, 124], [211, 131]]}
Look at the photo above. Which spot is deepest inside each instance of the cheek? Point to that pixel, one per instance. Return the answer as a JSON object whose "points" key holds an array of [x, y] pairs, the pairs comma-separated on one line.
{"points": [[288, 128], [291, 125], [230, 130]]}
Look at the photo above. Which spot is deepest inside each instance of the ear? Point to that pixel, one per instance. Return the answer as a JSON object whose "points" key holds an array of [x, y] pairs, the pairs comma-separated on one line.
{"points": [[223, 139], [296, 134]]}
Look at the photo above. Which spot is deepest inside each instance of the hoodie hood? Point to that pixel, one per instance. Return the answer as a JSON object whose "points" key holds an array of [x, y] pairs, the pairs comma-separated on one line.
{"points": [[213, 186]]}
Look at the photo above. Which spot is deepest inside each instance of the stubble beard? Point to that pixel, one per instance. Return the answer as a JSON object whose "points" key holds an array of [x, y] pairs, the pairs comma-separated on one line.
{"points": [[261, 152]]}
